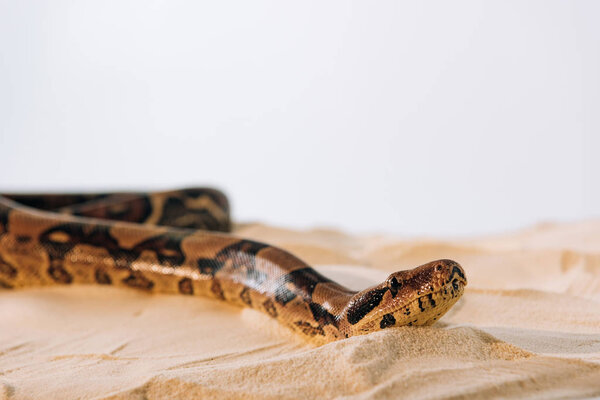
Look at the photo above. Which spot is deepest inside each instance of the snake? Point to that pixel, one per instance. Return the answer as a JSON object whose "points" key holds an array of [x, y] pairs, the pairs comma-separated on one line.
{"points": [[180, 241]]}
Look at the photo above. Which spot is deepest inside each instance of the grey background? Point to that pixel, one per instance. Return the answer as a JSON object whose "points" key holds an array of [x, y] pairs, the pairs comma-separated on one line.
{"points": [[444, 118]]}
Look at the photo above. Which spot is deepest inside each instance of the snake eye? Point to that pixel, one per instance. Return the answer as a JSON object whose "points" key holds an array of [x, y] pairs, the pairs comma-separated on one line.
{"points": [[438, 267]]}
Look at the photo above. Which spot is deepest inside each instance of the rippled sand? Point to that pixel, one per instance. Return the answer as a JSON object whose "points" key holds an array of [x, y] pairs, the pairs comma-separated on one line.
{"points": [[527, 326]]}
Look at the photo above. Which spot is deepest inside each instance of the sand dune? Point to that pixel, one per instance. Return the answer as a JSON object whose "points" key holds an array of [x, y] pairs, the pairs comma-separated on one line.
{"points": [[528, 326]]}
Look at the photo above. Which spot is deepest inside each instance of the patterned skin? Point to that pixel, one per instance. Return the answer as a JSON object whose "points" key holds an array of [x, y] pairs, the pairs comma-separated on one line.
{"points": [[175, 242]]}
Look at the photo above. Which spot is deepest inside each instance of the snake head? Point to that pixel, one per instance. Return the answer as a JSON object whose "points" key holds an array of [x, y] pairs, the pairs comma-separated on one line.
{"points": [[427, 278], [419, 296]]}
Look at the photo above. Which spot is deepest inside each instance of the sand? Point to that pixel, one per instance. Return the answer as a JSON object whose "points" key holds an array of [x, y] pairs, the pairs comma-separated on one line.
{"points": [[528, 326]]}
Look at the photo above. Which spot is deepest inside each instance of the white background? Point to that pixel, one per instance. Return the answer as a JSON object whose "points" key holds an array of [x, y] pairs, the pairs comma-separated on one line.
{"points": [[444, 118]]}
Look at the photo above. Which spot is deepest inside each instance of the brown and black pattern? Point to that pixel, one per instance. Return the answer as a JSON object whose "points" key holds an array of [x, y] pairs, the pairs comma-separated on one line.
{"points": [[245, 297], [186, 286], [58, 273], [269, 307], [102, 277], [53, 202], [387, 321], [119, 207], [217, 290], [174, 208], [7, 270], [176, 213], [137, 280], [308, 329], [4, 211], [364, 305], [50, 238]]}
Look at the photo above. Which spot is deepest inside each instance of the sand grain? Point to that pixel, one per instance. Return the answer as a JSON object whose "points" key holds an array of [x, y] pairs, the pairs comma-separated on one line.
{"points": [[528, 326]]}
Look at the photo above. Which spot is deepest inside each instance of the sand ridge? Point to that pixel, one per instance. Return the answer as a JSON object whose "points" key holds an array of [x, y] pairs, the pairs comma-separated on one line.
{"points": [[528, 326]]}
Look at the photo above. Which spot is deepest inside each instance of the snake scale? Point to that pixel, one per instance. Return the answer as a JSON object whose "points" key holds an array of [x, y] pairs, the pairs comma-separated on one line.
{"points": [[177, 242]]}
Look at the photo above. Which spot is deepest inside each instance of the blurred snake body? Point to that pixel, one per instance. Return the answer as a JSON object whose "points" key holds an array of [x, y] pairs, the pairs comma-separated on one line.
{"points": [[177, 242]]}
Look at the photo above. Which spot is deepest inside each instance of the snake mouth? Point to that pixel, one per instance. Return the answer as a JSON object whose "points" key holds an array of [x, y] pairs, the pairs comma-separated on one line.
{"points": [[454, 286], [426, 309]]}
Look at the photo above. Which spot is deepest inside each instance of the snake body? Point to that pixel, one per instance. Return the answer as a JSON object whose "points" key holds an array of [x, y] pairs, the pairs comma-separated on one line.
{"points": [[177, 242]]}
